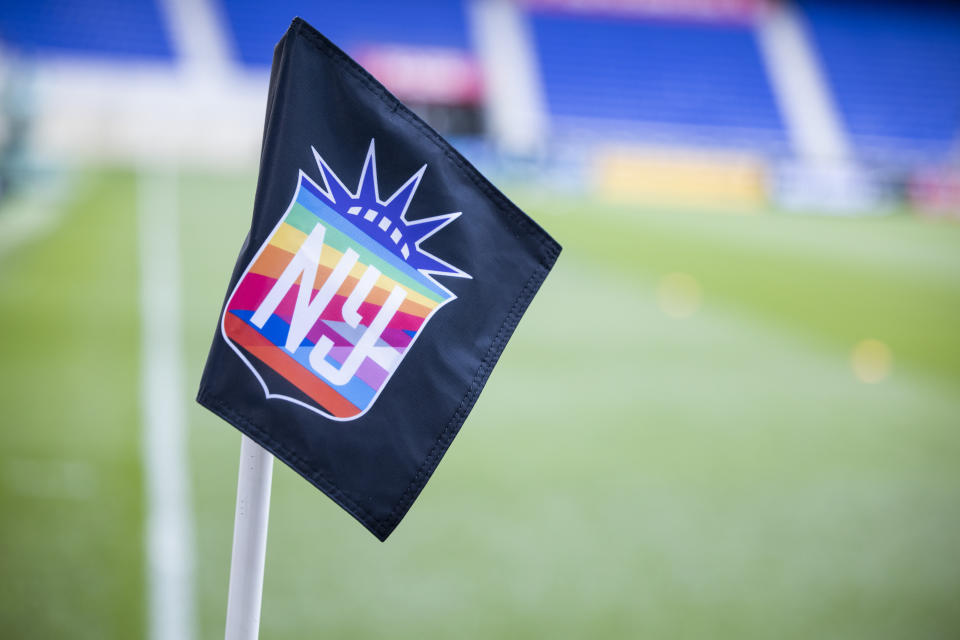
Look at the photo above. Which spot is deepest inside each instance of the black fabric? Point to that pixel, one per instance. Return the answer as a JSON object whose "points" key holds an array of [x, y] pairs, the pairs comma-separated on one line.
{"points": [[375, 466]]}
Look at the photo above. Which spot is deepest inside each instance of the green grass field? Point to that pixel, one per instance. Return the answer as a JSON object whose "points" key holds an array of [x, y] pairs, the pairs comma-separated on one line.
{"points": [[626, 473]]}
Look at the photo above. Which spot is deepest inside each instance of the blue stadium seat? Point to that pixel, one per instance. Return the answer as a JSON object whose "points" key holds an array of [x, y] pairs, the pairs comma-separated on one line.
{"points": [[700, 83], [98, 28], [894, 69], [256, 26]]}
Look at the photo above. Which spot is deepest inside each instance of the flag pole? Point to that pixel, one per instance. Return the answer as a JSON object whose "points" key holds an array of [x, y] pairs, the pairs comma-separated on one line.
{"points": [[249, 542]]}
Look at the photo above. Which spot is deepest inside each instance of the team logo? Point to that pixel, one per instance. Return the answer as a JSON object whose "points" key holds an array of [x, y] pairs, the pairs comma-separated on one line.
{"points": [[339, 292]]}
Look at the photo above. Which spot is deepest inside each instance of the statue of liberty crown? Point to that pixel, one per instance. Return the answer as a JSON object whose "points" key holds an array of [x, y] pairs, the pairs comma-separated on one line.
{"points": [[385, 221]]}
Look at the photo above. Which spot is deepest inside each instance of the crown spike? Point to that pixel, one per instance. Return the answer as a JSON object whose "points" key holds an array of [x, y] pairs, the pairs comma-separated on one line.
{"points": [[368, 189], [386, 221], [333, 188]]}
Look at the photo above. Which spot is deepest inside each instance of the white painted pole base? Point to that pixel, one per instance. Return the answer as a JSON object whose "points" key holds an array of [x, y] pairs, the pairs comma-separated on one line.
{"points": [[249, 542]]}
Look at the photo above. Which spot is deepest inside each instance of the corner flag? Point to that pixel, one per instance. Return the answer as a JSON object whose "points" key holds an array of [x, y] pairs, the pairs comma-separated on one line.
{"points": [[380, 281]]}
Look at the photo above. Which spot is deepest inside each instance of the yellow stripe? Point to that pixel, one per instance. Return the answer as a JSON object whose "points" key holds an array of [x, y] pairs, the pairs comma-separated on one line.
{"points": [[288, 238]]}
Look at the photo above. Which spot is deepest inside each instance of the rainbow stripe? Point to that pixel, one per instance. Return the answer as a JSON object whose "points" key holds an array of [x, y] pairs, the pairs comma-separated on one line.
{"points": [[266, 344]]}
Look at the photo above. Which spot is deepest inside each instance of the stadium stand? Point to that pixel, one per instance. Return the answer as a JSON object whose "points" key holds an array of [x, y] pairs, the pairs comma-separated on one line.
{"points": [[682, 92], [420, 50], [120, 29], [435, 23], [683, 82], [893, 71]]}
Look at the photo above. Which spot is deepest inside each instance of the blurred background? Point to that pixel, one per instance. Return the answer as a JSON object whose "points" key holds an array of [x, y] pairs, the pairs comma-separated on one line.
{"points": [[732, 411]]}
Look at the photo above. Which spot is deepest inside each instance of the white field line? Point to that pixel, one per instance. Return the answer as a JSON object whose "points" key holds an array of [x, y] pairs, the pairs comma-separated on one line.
{"points": [[169, 525], [29, 217]]}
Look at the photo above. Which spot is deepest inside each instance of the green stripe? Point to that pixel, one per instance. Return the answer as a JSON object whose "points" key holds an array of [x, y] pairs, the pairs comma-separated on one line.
{"points": [[301, 219], [304, 220]]}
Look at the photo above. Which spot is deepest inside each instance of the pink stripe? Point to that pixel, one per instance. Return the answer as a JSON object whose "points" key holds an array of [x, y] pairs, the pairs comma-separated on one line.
{"points": [[254, 288], [334, 311], [251, 292], [285, 308], [405, 322]]}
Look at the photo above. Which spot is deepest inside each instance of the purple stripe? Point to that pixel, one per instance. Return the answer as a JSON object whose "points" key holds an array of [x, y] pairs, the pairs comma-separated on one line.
{"points": [[372, 374], [322, 329], [396, 338]]}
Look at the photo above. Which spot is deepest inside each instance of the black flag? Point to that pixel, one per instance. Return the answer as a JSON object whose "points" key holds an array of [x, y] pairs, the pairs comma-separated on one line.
{"points": [[379, 283]]}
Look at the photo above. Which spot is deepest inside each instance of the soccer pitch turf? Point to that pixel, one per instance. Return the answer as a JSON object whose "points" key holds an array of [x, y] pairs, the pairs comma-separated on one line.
{"points": [[689, 456]]}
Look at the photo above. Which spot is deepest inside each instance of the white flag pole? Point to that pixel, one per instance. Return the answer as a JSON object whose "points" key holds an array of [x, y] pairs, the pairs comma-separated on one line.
{"points": [[249, 542]]}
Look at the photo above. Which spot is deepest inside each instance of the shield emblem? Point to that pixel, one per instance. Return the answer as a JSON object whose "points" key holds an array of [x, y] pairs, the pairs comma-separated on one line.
{"points": [[338, 293]]}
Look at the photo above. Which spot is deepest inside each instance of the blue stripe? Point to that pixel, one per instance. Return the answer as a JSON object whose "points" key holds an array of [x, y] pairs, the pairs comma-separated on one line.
{"points": [[357, 392], [275, 329]]}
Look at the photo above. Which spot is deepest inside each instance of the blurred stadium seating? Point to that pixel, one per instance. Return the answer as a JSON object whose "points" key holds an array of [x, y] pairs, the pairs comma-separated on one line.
{"points": [[112, 29], [892, 68], [254, 25], [663, 78], [671, 82]]}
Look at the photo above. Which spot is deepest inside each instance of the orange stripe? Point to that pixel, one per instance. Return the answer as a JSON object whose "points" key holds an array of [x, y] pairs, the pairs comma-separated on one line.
{"points": [[411, 307], [272, 262], [271, 355]]}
